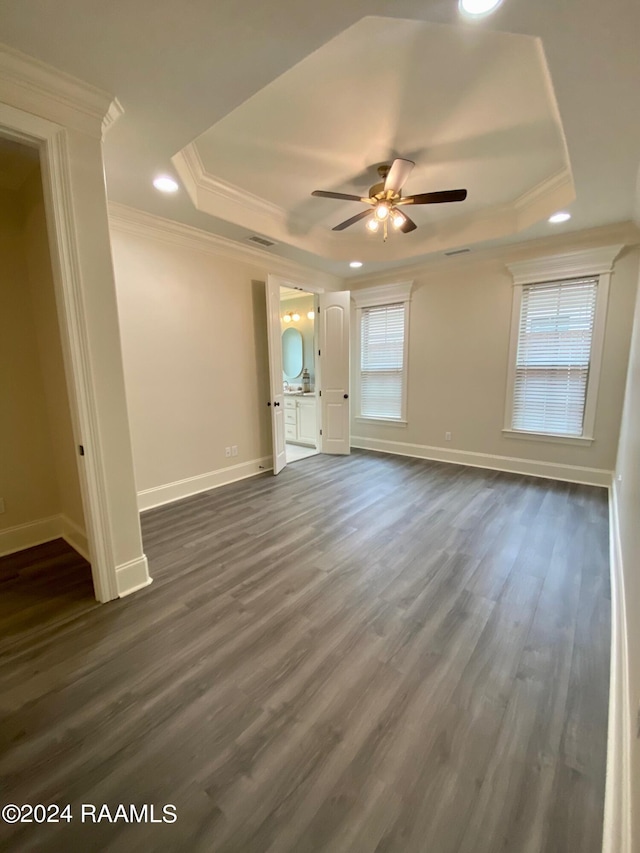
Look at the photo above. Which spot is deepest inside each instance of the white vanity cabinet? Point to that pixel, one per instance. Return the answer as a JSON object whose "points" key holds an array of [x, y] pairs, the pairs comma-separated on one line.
{"points": [[300, 420]]}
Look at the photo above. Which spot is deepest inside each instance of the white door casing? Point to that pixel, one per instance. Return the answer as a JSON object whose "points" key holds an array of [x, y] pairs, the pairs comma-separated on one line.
{"points": [[334, 359], [118, 564], [276, 401]]}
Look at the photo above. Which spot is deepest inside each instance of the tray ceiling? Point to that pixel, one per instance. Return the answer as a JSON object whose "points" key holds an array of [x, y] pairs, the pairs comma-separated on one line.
{"points": [[472, 108]]}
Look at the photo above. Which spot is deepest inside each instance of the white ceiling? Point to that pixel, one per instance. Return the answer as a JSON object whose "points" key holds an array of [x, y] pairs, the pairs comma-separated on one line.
{"points": [[179, 69], [472, 108]]}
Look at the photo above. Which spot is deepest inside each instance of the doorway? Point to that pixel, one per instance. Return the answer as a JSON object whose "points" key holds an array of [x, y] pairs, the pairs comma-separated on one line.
{"points": [[330, 364], [40, 494], [298, 311]]}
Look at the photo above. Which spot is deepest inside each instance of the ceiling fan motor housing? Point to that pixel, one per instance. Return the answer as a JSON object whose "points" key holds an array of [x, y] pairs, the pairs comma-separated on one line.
{"points": [[378, 189]]}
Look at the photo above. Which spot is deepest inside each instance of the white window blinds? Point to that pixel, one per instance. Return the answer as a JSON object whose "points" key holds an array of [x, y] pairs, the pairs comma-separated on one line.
{"points": [[554, 353], [382, 361]]}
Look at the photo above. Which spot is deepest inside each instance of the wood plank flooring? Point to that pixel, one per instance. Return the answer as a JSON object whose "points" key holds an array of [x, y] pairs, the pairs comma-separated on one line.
{"points": [[363, 655]]}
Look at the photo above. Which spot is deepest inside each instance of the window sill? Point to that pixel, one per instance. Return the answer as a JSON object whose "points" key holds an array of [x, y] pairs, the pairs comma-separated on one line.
{"points": [[548, 437], [397, 422]]}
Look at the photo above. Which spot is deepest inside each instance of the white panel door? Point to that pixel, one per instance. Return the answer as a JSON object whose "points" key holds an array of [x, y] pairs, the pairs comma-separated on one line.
{"points": [[276, 402], [334, 363]]}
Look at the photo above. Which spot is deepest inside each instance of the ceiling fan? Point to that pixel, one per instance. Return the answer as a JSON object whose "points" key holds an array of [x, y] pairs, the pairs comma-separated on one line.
{"points": [[385, 199]]}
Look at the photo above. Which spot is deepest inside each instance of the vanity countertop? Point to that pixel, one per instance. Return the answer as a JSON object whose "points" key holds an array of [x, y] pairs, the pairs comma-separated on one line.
{"points": [[299, 393]]}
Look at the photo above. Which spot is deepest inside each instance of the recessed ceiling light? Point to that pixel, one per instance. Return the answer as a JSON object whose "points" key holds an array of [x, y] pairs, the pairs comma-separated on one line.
{"points": [[561, 216], [355, 265], [478, 7], [165, 184]]}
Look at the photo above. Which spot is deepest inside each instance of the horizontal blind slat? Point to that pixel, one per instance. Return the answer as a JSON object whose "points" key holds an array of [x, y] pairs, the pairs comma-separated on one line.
{"points": [[382, 361], [553, 357]]}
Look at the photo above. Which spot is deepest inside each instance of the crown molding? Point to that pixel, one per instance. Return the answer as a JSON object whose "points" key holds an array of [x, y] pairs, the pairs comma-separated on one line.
{"points": [[115, 111], [33, 86], [585, 262], [139, 223], [383, 294], [626, 233], [548, 186], [223, 190]]}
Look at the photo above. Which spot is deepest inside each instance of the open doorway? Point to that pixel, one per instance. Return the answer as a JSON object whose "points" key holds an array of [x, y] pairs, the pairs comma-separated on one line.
{"points": [[40, 489], [331, 370], [298, 311]]}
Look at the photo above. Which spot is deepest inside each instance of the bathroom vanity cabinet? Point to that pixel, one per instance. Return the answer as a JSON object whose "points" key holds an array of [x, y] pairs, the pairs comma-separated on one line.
{"points": [[300, 419]]}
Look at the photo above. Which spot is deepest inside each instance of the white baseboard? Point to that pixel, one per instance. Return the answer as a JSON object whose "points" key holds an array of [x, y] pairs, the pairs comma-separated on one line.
{"points": [[617, 807], [512, 464], [75, 536], [132, 576], [27, 535], [159, 495], [42, 530]]}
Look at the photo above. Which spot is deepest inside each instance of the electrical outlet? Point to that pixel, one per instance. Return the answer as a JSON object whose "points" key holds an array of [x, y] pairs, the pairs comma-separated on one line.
{"points": [[227, 452], [234, 450], [447, 436], [1, 504]]}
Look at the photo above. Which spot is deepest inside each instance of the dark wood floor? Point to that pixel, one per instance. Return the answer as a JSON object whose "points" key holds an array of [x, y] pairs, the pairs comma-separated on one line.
{"points": [[362, 654]]}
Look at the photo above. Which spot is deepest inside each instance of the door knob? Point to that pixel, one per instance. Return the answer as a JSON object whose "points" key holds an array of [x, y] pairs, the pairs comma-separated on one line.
{"points": [[269, 403], [346, 396]]}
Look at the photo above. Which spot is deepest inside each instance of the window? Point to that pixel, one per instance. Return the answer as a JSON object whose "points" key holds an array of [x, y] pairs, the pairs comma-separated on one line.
{"points": [[381, 363], [554, 356], [557, 336]]}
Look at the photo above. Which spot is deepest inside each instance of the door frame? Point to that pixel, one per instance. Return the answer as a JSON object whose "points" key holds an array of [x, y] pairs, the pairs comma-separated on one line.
{"points": [[315, 290], [52, 141]]}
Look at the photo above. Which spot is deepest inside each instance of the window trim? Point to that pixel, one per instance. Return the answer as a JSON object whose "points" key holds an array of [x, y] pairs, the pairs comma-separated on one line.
{"points": [[375, 297], [589, 263]]}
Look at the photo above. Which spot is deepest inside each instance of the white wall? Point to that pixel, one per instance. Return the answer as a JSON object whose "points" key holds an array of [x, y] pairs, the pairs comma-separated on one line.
{"points": [[193, 326], [43, 302], [39, 482], [627, 486], [28, 480], [458, 359]]}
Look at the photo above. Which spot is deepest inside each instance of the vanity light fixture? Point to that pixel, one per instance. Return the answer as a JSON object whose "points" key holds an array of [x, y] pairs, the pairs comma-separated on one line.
{"points": [[295, 317], [311, 315], [561, 216], [287, 318], [165, 184]]}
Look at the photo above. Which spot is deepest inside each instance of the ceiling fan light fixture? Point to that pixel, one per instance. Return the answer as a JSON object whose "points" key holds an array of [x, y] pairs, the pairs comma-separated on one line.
{"points": [[398, 219], [382, 211], [476, 8], [373, 225]]}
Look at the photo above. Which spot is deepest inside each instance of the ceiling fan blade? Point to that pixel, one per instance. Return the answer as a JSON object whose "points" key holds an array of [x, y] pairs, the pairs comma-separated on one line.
{"points": [[341, 196], [434, 198], [408, 225], [352, 220], [398, 174]]}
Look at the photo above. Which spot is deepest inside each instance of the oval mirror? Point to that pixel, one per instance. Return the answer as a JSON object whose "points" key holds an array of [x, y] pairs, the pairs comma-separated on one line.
{"points": [[291, 353]]}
